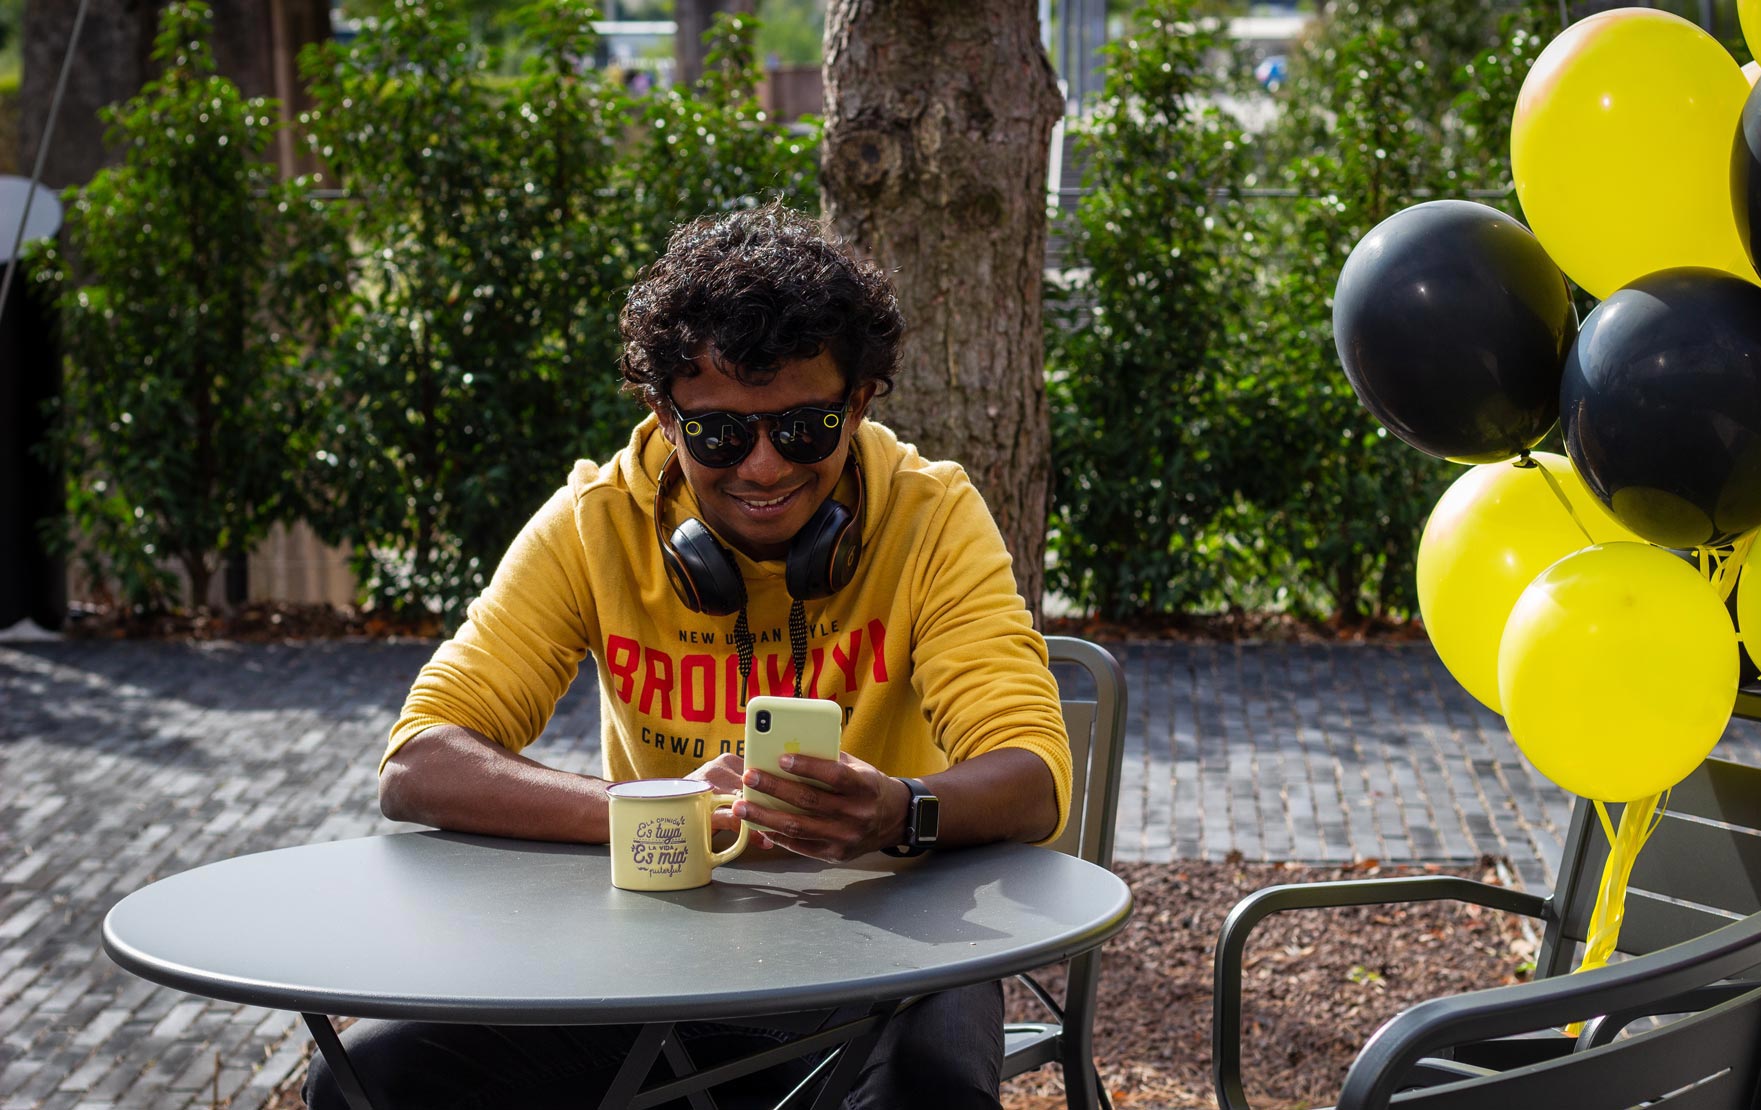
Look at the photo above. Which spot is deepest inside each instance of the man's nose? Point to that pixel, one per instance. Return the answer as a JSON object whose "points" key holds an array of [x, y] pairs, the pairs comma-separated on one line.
{"points": [[764, 466]]}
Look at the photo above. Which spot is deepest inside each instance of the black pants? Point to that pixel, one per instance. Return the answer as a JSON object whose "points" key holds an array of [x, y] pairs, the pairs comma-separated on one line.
{"points": [[944, 1052]]}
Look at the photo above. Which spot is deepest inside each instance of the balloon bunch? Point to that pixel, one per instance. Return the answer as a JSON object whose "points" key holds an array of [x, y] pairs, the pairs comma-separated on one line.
{"points": [[1584, 597]]}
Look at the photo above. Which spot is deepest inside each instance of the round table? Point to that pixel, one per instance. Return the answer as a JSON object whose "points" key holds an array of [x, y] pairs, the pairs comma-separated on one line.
{"points": [[450, 927]]}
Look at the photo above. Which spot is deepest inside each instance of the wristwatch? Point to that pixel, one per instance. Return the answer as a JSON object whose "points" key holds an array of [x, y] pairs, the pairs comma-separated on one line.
{"points": [[922, 821]]}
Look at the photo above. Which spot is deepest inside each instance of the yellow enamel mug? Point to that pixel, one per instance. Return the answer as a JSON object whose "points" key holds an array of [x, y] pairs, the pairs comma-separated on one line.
{"points": [[660, 834]]}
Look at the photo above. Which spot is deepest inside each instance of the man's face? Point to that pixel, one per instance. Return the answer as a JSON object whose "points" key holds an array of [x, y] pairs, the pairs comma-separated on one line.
{"points": [[760, 503]]}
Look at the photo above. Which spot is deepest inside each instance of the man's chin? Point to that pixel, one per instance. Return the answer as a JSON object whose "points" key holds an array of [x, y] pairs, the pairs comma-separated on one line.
{"points": [[760, 546]]}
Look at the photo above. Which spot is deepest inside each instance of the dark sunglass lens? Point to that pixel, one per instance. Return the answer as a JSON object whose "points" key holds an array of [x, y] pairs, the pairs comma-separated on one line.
{"points": [[717, 439], [807, 435]]}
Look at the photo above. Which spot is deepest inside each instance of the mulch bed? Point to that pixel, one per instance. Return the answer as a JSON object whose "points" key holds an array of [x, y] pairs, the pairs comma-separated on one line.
{"points": [[255, 622], [279, 621], [1318, 984], [1239, 627]]}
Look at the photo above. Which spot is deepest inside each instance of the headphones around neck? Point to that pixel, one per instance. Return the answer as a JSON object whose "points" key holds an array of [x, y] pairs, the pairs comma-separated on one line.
{"points": [[821, 561]]}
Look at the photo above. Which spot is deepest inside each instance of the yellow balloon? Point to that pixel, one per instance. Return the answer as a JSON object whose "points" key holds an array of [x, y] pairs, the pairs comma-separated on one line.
{"points": [[1620, 149], [1618, 670], [1749, 18], [1493, 530]]}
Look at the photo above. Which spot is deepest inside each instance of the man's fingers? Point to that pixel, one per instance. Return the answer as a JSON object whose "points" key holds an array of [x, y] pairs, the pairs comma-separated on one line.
{"points": [[801, 795], [828, 771], [789, 826]]}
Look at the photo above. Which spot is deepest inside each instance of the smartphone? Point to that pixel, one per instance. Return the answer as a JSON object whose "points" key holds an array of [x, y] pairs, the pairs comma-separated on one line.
{"points": [[809, 726]]}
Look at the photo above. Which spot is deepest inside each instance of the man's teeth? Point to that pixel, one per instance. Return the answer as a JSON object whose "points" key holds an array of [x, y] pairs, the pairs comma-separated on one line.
{"points": [[757, 504]]}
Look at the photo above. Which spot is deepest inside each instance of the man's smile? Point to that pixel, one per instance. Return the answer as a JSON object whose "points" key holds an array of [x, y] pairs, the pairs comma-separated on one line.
{"points": [[766, 504]]}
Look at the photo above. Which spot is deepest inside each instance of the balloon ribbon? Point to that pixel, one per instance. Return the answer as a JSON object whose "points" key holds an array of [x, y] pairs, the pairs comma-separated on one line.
{"points": [[1640, 818]]}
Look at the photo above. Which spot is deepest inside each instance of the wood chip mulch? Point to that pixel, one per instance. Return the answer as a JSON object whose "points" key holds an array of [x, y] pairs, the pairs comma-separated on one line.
{"points": [[1240, 627], [255, 622], [282, 621], [1319, 983]]}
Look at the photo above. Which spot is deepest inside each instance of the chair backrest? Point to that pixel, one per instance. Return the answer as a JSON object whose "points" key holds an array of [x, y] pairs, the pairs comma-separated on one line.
{"points": [[1700, 870], [1093, 698]]}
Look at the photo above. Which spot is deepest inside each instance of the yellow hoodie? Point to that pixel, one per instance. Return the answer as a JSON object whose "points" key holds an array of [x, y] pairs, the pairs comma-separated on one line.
{"points": [[929, 650]]}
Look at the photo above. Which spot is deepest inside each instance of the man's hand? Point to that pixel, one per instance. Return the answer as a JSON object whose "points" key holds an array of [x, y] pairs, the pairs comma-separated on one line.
{"points": [[723, 776], [849, 809]]}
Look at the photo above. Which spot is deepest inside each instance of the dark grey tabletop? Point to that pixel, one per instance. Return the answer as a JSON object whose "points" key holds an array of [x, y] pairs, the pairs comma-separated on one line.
{"points": [[464, 928]]}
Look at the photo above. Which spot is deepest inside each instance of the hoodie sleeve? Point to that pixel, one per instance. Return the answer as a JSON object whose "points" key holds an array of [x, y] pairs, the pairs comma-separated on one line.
{"points": [[520, 647], [979, 665]]}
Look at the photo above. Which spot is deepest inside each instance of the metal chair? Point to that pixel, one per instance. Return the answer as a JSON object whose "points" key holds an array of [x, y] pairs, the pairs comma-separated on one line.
{"points": [[1704, 1061], [1699, 872], [1097, 743]]}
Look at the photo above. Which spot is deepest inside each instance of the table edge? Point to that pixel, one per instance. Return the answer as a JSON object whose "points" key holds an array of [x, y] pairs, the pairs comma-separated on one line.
{"points": [[569, 1011]]}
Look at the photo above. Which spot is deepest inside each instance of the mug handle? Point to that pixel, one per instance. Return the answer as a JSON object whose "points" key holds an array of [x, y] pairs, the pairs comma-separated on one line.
{"points": [[716, 859]]}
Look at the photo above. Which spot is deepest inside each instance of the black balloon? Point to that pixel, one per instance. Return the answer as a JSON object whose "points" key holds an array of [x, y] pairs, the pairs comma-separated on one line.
{"points": [[1453, 323], [1745, 176], [1661, 406]]}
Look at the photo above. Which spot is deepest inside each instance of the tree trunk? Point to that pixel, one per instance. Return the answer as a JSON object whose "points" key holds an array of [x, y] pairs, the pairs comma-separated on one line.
{"points": [[691, 21], [111, 64], [938, 126]]}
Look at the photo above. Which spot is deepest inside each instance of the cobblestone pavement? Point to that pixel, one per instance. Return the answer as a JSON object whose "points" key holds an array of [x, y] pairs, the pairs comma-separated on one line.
{"points": [[123, 763]]}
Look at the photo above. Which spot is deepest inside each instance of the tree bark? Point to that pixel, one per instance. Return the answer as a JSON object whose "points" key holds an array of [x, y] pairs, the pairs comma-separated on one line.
{"points": [[938, 126], [112, 62]]}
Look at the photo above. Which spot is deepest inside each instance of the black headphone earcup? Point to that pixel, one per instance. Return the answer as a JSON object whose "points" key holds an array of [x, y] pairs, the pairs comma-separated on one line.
{"points": [[823, 557], [704, 573]]}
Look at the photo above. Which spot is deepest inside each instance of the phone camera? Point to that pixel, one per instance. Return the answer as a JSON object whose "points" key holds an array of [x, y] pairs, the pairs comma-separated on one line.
{"points": [[763, 720]]}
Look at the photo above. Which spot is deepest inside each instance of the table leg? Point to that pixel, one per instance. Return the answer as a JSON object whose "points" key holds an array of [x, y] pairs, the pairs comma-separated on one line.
{"points": [[852, 1056], [636, 1065], [683, 1065], [851, 1039], [330, 1045]]}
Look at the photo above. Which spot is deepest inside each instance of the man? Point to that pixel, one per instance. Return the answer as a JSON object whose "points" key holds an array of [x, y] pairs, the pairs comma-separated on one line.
{"points": [[758, 535]]}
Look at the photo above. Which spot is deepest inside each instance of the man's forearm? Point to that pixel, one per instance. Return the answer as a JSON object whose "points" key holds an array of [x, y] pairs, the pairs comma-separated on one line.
{"points": [[454, 778], [1006, 794]]}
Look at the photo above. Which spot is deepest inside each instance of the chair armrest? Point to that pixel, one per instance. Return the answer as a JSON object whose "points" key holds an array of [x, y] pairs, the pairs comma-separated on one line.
{"points": [[1602, 1030], [1250, 911], [1423, 1030]]}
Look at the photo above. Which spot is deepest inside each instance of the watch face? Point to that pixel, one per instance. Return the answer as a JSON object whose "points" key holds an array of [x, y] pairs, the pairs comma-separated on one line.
{"points": [[927, 818]]}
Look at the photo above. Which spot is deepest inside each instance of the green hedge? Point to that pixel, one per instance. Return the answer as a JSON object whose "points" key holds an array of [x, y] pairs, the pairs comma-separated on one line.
{"points": [[433, 351], [457, 312], [1208, 452]]}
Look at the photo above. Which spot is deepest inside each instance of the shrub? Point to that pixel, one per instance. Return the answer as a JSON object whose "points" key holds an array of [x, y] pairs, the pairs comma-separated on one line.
{"points": [[181, 416], [1387, 105], [496, 229], [712, 148], [1144, 437], [1209, 452]]}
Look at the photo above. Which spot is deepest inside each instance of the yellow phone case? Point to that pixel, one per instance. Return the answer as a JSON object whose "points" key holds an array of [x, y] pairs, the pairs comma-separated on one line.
{"points": [[810, 726]]}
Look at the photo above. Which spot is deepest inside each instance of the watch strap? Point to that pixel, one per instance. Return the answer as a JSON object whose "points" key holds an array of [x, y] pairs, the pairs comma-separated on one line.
{"points": [[922, 821]]}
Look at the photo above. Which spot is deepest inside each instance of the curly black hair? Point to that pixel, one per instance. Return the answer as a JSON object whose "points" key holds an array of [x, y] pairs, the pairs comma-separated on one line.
{"points": [[755, 289]]}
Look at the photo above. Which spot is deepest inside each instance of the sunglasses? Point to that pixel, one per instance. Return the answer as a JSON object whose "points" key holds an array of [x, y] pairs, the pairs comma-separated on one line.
{"points": [[803, 434]]}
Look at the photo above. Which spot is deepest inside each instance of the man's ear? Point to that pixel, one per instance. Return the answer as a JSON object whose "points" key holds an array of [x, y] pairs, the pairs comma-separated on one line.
{"points": [[666, 420], [859, 400]]}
